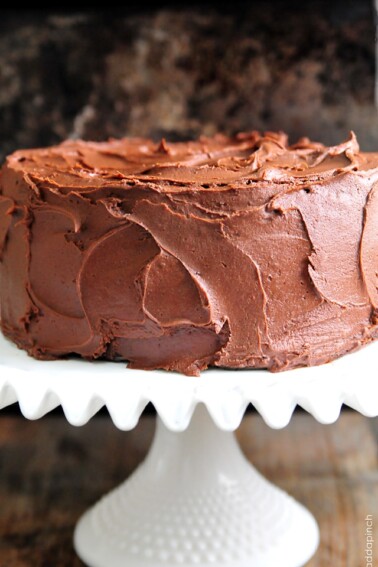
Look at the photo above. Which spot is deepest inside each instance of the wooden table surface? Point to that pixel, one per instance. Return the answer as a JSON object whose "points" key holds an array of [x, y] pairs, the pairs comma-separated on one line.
{"points": [[50, 472]]}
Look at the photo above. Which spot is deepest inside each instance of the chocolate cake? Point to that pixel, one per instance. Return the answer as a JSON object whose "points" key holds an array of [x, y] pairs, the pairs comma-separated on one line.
{"points": [[240, 252]]}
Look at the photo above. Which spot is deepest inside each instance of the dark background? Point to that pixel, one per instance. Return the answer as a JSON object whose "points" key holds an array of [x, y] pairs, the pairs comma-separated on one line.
{"points": [[181, 69]]}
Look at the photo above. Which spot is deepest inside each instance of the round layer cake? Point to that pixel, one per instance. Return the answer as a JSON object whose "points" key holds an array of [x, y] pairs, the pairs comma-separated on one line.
{"points": [[237, 252]]}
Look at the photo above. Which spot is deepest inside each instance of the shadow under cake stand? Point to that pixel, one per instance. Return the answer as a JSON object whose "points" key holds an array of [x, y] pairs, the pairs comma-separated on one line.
{"points": [[195, 500]]}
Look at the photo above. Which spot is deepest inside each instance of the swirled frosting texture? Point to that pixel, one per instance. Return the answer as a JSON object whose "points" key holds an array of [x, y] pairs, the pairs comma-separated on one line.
{"points": [[233, 252]]}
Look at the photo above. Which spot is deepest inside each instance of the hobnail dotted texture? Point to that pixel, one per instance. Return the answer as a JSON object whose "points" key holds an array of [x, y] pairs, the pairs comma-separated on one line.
{"points": [[216, 526], [196, 501]]}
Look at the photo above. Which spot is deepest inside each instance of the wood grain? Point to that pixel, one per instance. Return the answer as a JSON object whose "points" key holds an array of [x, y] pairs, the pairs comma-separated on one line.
{"points": [[50, 472]]}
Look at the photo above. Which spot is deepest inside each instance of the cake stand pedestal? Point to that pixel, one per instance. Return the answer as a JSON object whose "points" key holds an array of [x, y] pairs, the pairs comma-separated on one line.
{"points": [[195, 500]]}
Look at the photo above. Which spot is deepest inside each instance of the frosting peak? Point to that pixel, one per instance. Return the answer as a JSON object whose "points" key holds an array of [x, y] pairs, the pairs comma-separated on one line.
{"points": [[241, 159]]}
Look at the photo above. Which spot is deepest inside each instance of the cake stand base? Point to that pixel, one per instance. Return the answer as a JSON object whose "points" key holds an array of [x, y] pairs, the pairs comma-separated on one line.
{"points": [[196, 500]]}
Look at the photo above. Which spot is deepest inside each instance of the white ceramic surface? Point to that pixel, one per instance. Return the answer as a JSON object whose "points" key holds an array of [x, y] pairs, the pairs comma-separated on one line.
{"points": [[82, 388], [195, 500]]}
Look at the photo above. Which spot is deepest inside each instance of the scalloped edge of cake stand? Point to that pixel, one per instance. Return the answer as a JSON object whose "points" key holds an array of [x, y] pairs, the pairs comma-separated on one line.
{"points": [[83, 387]]}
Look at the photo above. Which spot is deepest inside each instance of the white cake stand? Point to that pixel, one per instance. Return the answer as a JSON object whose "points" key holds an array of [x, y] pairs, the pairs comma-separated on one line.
{"points": [[195, 500]]}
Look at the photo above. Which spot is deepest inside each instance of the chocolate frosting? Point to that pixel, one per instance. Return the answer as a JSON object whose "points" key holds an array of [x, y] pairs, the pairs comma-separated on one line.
{"points": [[239, 252]]}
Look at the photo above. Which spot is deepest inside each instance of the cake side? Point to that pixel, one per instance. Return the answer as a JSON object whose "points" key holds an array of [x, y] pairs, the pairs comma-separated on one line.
{"points": [[234, 252]]}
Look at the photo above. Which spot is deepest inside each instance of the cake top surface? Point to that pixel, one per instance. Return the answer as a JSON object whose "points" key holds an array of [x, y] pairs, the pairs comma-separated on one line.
{"points": [[207, 162]]}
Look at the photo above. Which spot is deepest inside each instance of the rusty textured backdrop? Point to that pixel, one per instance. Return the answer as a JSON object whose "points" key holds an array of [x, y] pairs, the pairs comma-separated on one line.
{"points": [[180, 72]]}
